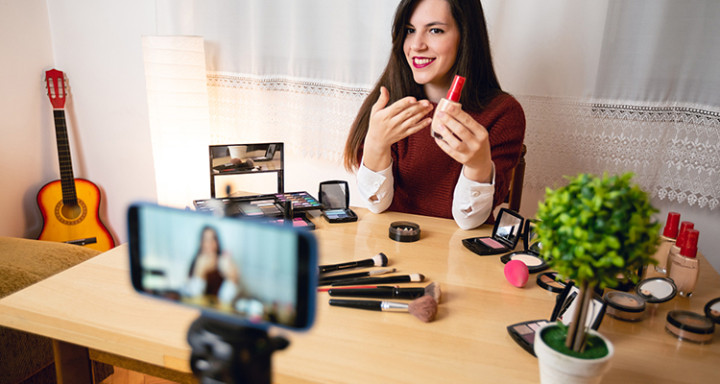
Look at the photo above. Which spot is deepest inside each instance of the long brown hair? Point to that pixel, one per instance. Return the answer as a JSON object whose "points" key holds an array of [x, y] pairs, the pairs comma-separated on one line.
{"points": [[473, 61]]}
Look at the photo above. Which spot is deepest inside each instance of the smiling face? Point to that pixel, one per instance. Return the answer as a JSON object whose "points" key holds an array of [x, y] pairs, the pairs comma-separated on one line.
{"points": [[431, 46]]}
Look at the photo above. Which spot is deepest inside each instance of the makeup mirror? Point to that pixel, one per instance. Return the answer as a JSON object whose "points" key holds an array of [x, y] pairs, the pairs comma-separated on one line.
{"points": [[508, 227], [246, 169], [530, 239]]}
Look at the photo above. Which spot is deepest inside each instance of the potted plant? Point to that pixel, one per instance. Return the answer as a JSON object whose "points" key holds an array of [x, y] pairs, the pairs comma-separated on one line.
{"points": [[597, 232]]}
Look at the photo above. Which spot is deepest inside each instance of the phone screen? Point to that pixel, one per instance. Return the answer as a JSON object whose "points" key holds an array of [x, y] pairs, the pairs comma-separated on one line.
{"points": [[242, 270]]}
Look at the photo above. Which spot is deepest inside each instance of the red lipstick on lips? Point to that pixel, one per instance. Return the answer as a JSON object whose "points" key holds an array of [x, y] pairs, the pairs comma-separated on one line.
{"points": [[418, 65]]}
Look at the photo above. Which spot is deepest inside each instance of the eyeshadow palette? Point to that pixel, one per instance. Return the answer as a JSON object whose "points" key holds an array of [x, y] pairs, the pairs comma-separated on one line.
{"points": [[505, 236], [259, 205]]}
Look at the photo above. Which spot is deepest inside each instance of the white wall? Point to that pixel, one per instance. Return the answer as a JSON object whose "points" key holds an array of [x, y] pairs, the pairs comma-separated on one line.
{"points": [[28, 153], [98, 45]]}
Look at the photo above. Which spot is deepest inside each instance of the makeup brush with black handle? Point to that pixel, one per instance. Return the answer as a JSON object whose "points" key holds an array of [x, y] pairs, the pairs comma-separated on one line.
{"points": [[424, 308], [386, 292], [379, 260], [329, 279], [411, 278]]}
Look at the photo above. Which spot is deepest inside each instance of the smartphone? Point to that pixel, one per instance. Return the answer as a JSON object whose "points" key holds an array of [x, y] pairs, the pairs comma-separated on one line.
{"points": [[335, 200], [241, 270]]}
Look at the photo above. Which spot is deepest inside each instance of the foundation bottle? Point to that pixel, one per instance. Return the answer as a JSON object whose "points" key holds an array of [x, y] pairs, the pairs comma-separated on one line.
{"points": [[667, 240], [681, 239], [683, 267], [453, 97]]}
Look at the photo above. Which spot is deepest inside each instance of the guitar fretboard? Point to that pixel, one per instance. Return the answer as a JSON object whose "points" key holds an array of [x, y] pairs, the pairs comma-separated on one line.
{"points": [[67, 180]]}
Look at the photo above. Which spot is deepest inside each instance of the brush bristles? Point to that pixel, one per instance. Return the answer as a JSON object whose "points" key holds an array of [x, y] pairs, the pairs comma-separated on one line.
{"points": [[434, 290], [380, 260], [424, 308]]}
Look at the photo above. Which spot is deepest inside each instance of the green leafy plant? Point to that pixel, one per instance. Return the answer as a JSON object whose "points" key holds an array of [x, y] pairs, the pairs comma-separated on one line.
{"points": [[598, 232]]}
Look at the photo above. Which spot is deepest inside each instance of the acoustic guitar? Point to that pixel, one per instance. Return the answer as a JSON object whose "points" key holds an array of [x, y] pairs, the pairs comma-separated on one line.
{"points": [[69, 206]]}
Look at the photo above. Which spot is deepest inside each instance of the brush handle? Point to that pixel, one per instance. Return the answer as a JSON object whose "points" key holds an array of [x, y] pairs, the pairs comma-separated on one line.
{"points": [[380, 280], [372, 305], [327, 280], [348, 265], [380, 292]]}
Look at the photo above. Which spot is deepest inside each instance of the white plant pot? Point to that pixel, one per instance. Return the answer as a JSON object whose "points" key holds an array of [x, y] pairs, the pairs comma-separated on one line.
{"points": [[556, 367]]}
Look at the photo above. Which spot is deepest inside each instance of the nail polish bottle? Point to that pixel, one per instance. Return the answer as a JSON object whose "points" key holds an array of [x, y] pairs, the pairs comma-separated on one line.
{"points": [[453, 97], [667, 240], [683, 268]]}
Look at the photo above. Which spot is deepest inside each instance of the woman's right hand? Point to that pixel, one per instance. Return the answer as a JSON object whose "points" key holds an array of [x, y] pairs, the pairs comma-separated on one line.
{"points": [[390, 124]]}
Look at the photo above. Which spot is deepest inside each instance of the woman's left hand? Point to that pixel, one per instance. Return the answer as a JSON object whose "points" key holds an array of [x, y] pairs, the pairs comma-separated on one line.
{"points": [[466, 141]]}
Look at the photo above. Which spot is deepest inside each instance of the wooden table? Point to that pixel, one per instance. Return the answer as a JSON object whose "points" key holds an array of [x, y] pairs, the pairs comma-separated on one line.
{"points": [[92, 307]]}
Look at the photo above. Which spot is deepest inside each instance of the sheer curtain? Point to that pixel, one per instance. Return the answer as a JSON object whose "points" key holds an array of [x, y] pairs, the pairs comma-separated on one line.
{"points": [[606, 85]]}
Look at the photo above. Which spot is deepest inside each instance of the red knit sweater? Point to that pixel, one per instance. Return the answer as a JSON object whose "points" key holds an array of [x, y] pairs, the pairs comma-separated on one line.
{"points": [[425, 176]]}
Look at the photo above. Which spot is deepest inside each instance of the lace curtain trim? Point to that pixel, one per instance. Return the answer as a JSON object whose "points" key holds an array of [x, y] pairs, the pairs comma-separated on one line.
{"points": [[672, 149]]}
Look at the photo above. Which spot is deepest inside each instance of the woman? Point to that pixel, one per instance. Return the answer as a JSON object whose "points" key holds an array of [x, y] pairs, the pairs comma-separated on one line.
{"points": [[212, 272], [401, 167]]}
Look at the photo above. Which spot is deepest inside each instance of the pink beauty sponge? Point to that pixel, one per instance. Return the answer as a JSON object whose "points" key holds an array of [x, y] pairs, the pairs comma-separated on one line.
{"points": [[516, 273]]}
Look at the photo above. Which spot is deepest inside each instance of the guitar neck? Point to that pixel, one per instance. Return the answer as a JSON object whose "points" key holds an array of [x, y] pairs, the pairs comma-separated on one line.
{"points": [[67, 179]]}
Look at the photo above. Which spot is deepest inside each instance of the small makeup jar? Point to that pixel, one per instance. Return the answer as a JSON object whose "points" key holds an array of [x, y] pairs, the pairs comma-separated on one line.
{"points": [[690, 326], [625, 306], [404, 231]]}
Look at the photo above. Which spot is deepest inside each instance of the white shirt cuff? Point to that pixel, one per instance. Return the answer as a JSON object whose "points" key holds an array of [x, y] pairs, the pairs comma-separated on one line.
{"points": [[376, 188], [472, 201]]}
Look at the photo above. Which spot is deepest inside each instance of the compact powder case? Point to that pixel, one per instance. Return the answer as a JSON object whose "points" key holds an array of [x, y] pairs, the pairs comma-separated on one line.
{"points": [[656, 290], [531, 255], [691, 326], [533, 262], [625, 306], [404, 231]]}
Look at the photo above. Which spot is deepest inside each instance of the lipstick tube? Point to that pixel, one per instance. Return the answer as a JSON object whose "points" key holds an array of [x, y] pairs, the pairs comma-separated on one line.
{"points": [[452, 98]]}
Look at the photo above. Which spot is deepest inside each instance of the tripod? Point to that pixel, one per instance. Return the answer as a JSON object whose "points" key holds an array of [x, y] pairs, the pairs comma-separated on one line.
{"points": [[226, 353]]}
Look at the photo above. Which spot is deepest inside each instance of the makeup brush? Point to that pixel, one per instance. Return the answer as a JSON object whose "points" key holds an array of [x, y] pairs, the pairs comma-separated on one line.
{"points": [[411, 278], [326, 280], [424, 308], [379, 260], [386, 292]]}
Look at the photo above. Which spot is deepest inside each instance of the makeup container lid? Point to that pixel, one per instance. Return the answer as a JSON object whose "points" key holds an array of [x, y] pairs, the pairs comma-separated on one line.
{"points": [[548, 282], [689, 248], [456, 88], [691, 322], [534, 262], [712, 310], [682, 236], [656, 289], [404, 231], [671, 225], [624, 301]]}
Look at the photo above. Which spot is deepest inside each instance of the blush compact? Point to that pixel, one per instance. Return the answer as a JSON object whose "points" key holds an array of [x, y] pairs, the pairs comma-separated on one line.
{"points": [[548, 281], [505, 235], [531, 255]]}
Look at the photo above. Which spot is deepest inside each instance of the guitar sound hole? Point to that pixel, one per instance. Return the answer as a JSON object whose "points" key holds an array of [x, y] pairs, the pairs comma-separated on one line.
{"points": [[70, 214]]}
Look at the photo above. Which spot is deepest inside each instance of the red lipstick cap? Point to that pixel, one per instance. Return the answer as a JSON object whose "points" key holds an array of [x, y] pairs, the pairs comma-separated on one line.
{"points": [[671, 225], [455, 89]]}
